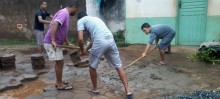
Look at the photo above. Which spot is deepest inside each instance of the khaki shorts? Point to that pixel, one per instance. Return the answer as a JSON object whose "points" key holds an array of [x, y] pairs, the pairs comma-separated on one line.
{"points": [[53, 54]]}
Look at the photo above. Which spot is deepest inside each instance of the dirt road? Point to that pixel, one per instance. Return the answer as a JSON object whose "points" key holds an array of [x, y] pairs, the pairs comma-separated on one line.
{"points": [[146, 78]]}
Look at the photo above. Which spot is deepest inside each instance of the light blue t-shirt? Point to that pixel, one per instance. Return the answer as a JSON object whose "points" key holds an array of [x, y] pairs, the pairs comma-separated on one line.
{"points": [[95, 26], [160, 31]]}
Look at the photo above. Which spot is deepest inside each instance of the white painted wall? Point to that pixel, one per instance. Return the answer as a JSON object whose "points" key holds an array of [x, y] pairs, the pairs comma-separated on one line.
{"points": [[92, 8], [151, 8], [213, 7]]}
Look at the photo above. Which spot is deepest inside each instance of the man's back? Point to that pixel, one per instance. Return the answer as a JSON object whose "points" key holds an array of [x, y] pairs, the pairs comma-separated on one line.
{"points": [[95, 26], [162, 30], [62, 16]]}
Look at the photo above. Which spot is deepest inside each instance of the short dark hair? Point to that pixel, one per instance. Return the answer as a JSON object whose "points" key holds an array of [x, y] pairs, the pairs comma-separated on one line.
{"points": [[145, 25], [73, 3], [81, 15], [41, 2]]}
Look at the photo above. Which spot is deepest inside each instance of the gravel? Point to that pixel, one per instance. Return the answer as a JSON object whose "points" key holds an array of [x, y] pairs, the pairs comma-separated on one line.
{"points": [[197, 94]]}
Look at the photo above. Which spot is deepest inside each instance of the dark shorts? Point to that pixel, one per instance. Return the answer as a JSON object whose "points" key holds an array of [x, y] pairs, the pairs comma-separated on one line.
{"points": [[166, 41]]}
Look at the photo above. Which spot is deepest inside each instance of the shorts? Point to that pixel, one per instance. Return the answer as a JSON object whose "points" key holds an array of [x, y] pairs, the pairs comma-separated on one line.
{"points": [[53, 54], [39, 37], [166, 41], [107, 48]]}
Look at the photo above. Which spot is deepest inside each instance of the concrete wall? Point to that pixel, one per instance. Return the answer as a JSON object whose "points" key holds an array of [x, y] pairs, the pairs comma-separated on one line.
{"points": [[151, 11], [213, 20], [17, 17], [150, 8], [114, 14]]}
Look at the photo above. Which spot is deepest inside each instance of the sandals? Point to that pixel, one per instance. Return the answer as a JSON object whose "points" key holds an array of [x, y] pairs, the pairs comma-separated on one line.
{"points": [[65, 87], [93, 93], [131, 96], [64, 82]]}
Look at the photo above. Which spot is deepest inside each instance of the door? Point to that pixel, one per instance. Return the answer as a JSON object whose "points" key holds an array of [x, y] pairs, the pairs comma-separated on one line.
{"points": [[192, 22]]}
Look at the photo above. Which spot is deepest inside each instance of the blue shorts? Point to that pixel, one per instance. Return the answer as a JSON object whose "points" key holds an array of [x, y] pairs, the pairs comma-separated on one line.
{"points": [[166, 41], [107, 48]]}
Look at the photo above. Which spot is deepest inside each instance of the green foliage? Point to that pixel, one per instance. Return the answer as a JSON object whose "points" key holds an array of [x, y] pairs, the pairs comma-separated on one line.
{"points": [[72, 40], [208, 56], [120, 39]]}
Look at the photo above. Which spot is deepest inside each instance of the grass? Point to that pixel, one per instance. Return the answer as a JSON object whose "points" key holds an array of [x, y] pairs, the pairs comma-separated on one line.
{"points": [[118, 36], [17, 42], [23, 42]]}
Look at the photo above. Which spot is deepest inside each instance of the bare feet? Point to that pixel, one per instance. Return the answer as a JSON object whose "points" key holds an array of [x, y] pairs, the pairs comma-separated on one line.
{"points": [[167, 52], [161, 63]]}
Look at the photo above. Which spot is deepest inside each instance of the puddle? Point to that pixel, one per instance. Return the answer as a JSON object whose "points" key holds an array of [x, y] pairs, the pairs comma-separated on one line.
{"points": [[28, 89]]}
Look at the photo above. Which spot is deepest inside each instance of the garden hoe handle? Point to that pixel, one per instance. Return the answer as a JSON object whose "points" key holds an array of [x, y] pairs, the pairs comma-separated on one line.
{"points": [[62, 46], [137, 60], [133, 62]]}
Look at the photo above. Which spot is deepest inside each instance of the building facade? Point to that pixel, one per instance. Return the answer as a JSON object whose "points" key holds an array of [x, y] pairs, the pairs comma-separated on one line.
{"points": [[195, 21]]}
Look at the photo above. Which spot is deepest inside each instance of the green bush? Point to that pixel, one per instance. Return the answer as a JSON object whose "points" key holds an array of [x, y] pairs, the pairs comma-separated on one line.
{"points": [[208, 56], [120, 39]]}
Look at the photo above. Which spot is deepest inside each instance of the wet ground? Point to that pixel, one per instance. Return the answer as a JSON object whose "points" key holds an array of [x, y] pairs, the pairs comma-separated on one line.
{"points": [[146, 78]]}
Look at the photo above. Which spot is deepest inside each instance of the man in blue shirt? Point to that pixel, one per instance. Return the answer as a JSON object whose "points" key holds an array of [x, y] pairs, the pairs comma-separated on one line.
{"points": [[163, 32]]}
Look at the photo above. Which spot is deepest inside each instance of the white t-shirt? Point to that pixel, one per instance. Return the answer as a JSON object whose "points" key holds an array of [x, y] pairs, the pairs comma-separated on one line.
{"points": [[95, 26]]}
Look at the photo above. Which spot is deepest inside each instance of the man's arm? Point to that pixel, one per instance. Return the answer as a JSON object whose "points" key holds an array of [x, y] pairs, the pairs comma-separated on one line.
{"points": [[43, 21], [81, 41], [148, 46], [156, 43], [51, 16], [89, 46], [53, 33]]}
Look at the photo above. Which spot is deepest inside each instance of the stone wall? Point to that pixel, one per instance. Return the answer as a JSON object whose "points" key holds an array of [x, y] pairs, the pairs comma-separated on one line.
{"points": [[17, 17]]}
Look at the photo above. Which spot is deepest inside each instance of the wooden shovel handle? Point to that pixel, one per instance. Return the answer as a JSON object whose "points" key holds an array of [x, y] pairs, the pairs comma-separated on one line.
{"points": [[137, 59], [63, 46], [133, 62]]}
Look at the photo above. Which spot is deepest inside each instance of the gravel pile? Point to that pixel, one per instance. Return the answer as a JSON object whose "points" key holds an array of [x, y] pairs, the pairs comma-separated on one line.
{"points": [[197, 94]]}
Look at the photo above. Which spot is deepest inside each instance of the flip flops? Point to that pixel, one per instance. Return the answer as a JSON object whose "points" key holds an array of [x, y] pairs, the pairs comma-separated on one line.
{"points": [[65, 87], [93, 93], [131, 96], [64, 82]]}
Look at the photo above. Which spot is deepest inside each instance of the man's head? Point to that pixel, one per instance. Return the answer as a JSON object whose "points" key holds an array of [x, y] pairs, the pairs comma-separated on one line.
{"points": [[43, 5], [145, 28], [73, 7], [81, 15]]}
